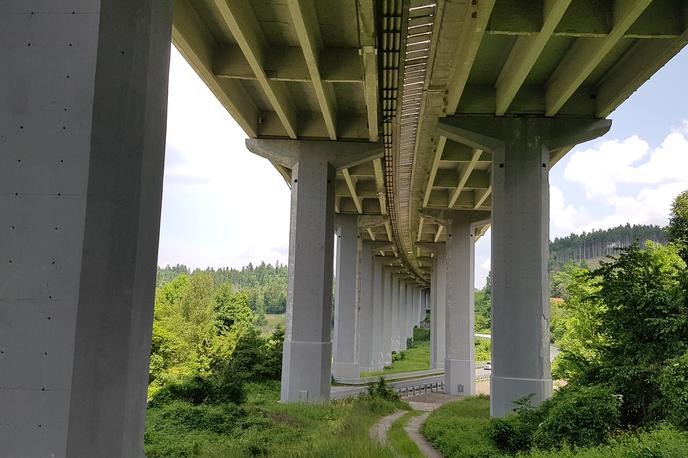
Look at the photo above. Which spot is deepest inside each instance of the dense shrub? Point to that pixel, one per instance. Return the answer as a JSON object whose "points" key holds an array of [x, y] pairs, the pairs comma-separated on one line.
{"points": [[576, 416], [673, 385], [581, 417], [198, 390], [382, 390], [515, 432]]}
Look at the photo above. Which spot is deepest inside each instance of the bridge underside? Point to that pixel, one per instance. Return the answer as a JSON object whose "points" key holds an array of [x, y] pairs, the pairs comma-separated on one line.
{"points": [[406, 127]]}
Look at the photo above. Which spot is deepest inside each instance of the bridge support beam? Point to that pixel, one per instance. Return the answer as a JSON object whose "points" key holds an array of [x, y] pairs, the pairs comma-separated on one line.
{"points": [[378, 315], [345, 361], [387, 317], [459, 366], [307, 356], [437, 314], [80, 193], [396, 339], [365, 308], [521, 149], [403, 315]]}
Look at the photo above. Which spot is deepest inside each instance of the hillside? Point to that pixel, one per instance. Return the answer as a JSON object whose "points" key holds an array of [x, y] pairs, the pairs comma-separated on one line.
{"points": [[593, 246]]}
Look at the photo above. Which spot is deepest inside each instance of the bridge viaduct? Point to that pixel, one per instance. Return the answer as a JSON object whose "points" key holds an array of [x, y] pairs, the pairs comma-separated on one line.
{"points": [[405, 127]]}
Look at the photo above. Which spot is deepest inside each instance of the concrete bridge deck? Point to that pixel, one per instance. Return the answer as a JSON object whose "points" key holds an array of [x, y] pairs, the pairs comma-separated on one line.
{"points": [[406, 127]]}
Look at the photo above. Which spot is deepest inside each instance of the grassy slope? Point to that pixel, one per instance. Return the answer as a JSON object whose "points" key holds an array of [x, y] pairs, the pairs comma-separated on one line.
{"points": [[400, 442], [416, 358], [264, 427], [458, 429], [272, 321]]}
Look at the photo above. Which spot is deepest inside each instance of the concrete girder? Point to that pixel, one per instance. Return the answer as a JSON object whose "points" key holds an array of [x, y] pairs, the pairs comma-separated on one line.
{"points": [[342, 155], [239, 17], [308, 32]]}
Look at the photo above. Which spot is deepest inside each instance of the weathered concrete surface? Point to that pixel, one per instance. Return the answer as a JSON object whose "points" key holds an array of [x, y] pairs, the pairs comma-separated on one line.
{"points": [[345, 362], [307, 357], [83, 100]]}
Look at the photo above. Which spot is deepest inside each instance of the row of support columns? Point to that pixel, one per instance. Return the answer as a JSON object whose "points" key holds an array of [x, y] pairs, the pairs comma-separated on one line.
{"points": [[375, 310], [81, 220]]}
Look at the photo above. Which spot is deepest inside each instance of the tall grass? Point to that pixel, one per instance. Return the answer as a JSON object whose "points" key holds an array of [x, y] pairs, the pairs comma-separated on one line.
{"points": [[264, 427]]}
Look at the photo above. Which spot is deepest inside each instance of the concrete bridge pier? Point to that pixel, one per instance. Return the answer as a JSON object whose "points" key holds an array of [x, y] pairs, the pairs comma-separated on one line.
{"points": [[437, 314], [365, 307], [387, 317], [403, 315], [396, 339], [307, 356], [459, 363], [83, 103], [345, 361], [378, 315], [521, 149]]}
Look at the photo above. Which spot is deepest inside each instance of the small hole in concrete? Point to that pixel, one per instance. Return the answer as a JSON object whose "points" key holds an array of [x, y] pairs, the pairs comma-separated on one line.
{"points": [[10, 261], [70, 44], [42, 389], [501, 166], [544, 165], [64, 127], [28, 44], [21, 127], [45, 353], [50, 317], [59, 193], [296, 181]]}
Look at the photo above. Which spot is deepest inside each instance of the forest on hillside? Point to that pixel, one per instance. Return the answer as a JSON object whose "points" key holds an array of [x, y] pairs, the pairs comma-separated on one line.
{"points": [[601, 243], [265, 285]]}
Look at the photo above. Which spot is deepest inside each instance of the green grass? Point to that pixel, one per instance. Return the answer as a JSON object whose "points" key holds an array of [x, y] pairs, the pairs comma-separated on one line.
{"points": [[416, 358], [459, 429], [272, 321], [400, 442], [264, 427]]}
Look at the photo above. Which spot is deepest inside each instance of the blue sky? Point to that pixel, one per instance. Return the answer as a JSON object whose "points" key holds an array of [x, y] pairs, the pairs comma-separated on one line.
{"points": [[223, 206]]}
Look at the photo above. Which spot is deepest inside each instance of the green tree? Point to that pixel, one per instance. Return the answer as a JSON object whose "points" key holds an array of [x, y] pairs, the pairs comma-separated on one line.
{"points": [[678, 224], [640, 319]]}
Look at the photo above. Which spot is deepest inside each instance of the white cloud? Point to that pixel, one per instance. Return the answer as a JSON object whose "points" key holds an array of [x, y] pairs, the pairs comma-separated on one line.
{"points": [[600, 169], [563, 218], [485, 265], [222, 205], [636, 182]]}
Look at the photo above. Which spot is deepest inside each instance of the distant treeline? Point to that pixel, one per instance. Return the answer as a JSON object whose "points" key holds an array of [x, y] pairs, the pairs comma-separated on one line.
{"points": [[265, 285], [600, 243]]}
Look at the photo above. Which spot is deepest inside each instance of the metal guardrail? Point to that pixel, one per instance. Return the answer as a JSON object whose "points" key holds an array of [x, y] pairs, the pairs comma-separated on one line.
{"points": [[423, 388]]}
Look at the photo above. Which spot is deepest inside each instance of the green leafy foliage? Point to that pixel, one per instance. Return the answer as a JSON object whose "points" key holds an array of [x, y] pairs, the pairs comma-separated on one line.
{"points": [[678, 224], [673, 386], [581, 417], [382, 390]]}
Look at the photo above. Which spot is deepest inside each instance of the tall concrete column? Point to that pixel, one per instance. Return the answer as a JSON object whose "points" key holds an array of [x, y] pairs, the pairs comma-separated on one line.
{"points": [[378, 316], [307, 346], [387, 318], [345, 361], [83, 102], [307, 355], [410, 305], [403, 316], [437, 315], [459, 365], [365, 308], [520, 149], [396, 335]]}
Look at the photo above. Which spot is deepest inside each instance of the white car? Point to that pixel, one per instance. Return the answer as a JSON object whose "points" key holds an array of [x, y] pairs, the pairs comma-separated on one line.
{"points": [[488, 366]]}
